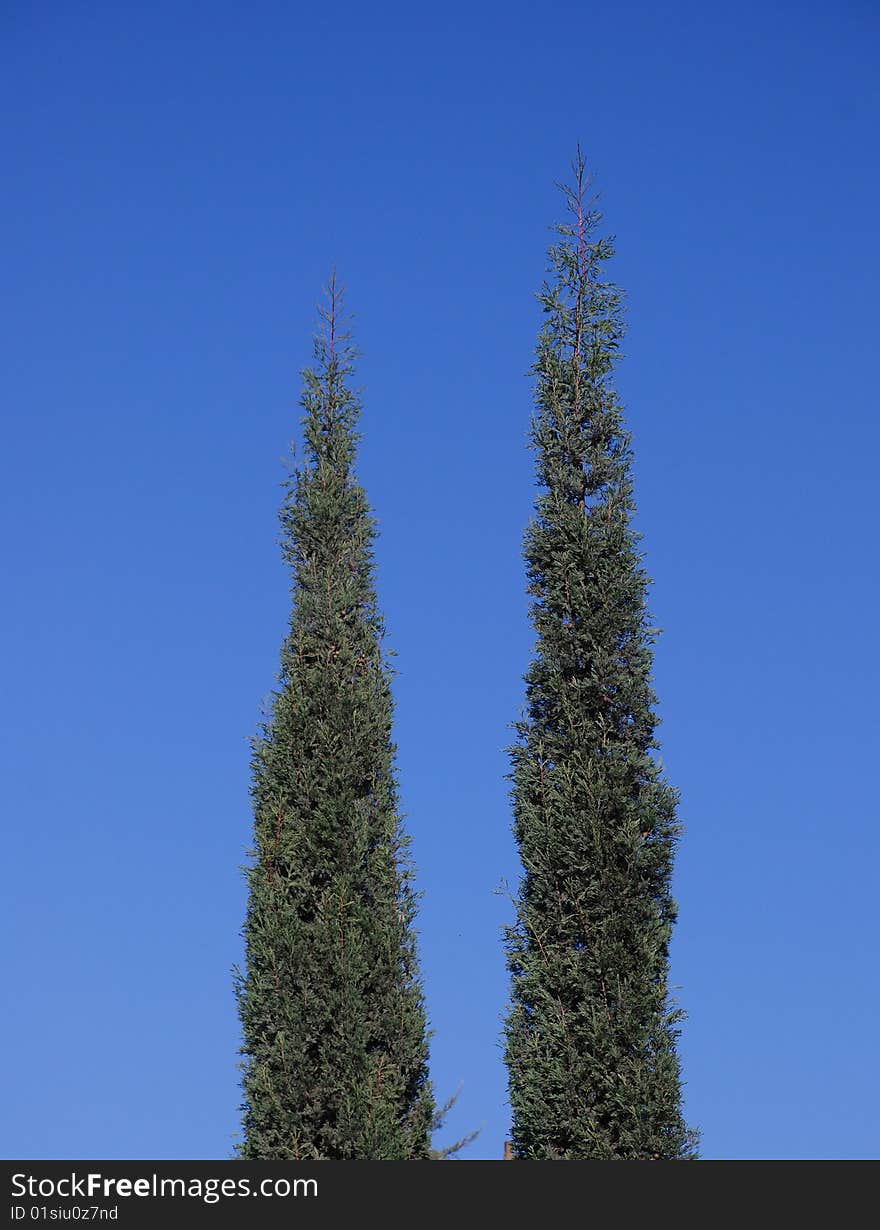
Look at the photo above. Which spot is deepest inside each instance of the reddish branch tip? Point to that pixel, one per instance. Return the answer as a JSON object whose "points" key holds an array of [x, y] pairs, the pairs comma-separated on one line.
{"points": [[333, 311]]}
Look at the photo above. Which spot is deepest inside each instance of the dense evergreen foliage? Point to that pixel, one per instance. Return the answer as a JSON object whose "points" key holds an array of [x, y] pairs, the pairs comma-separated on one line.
{"points": [[591, 1034], [335, 1041]]}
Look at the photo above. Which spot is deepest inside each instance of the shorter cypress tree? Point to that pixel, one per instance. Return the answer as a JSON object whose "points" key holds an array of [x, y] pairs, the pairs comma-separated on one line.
{"points": [[335, 1040]]}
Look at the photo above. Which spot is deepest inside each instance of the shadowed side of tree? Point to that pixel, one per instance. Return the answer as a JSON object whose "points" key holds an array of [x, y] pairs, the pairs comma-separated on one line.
{"points": [[335, 1040], [590, 1034]]}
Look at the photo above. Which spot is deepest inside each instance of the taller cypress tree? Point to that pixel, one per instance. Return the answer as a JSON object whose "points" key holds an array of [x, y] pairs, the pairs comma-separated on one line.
{"points": [[335, 1040], [590, 1034]]}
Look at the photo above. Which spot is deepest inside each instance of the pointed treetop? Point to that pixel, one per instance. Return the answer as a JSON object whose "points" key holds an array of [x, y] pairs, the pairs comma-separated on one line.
{"points": [[333, 345], [331, 405]]}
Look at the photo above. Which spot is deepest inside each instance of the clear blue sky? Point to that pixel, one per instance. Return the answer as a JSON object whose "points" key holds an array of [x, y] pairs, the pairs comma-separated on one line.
{"points": [[179, 180]]}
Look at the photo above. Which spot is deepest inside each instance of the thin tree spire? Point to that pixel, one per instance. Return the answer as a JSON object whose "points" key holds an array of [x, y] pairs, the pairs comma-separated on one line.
{"points": [[591, 1033]]}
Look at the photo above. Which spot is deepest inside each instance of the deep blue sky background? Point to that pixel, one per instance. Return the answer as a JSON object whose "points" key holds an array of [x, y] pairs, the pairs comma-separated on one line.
{"points": [[179, 179]]}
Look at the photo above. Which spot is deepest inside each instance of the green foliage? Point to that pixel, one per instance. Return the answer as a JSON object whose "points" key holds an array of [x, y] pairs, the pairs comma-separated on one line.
{"points": [[590, 1034], [335, 1039]]}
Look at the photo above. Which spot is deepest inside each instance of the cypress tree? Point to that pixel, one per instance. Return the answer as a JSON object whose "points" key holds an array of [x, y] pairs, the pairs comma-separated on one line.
{"points": [[335, 1041], [590, 1033]]}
